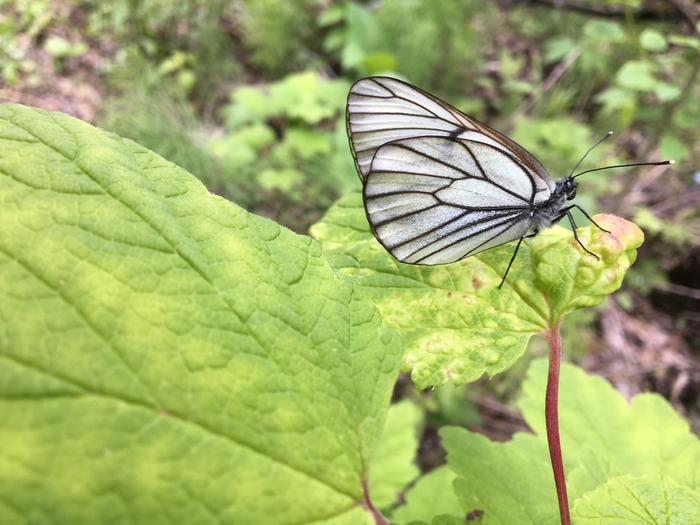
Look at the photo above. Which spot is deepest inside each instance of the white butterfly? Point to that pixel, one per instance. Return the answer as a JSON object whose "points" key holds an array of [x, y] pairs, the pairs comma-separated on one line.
{"points": [[440, 186]]}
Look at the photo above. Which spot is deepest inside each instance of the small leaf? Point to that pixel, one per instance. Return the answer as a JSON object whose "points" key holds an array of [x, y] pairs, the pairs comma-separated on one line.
{"points": [[652, 40], [510, 482], [667, 92], [557, 48], [592, 279], [455, 322], [59, 47], [685, 41], [636, 75], [603, 29], [431, 495], [379, 63], [647, 500], [283, 180], [394, 466], [672, 148], [254, 100]]}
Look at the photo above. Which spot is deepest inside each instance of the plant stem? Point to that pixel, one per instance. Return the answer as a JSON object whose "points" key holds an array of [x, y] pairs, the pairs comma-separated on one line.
{"points": [[551, 412], [367, 504]]}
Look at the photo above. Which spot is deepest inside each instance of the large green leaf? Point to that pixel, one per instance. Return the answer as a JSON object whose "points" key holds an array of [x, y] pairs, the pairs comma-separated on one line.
{"points": [[167, 357], [455, 322]]}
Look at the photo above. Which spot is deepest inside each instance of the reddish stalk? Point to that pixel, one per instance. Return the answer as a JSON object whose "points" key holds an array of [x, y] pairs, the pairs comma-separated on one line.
{"points": [[551, 412], [367, 504]]}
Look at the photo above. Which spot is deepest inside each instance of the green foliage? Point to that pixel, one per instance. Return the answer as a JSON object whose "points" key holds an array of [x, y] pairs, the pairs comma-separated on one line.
{"points": [[557, 143], [277, 33], [612, 469], [455, 322], [20, 23], [393, 467], [282, 137], [613, 461], [168, 357], [432, 44], [432, 495], [646, 500], [672, 233], [159, 118]]}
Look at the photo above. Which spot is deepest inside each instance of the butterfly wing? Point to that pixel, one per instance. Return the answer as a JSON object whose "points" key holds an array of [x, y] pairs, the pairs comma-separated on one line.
{"points": [[382, 110], [435, 200]]}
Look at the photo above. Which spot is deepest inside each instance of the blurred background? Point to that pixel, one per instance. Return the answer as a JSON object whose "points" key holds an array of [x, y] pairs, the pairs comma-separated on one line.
{"points": [[249, 96]]}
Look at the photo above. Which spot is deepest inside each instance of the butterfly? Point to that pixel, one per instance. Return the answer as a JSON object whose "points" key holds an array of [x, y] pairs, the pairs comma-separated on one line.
{"points": [[439, 186]]}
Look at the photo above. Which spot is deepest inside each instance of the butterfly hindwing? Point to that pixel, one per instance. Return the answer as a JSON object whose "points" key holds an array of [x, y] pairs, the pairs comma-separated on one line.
{"points": [[434, 200]]}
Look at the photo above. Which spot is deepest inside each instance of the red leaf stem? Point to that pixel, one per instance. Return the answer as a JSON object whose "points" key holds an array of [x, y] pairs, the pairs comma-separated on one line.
{"points": [[551, 412]]}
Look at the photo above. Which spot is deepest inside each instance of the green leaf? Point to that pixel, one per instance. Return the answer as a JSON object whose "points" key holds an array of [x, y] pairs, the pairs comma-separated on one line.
{"points": [[670, 232], [556, 142], [59, 47], [394, 466], [166, 356], [649, 500], [305, 97], [344, 224], [645, 437], [377, 63], [254, 106], [685, 41], [672, 148], [332, 14], [601, 437], [636, 75], [455, 322], [652, 40], [557, 48], [307, 143], [603, 29], [619, 102], [431, 495], [283, 180], [667, 92], [510, 482]]}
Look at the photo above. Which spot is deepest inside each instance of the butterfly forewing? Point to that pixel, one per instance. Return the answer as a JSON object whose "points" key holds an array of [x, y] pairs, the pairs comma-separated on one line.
{"points": [[381, 110]]}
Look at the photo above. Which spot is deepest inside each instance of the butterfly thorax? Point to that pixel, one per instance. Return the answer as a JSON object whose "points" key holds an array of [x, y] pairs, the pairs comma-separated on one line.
{"points": [[548, 212]]}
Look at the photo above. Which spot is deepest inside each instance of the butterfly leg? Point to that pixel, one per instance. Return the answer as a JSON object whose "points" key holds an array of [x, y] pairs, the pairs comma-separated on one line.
{"points": [[566, 212], [514, 254], [587, 216]]}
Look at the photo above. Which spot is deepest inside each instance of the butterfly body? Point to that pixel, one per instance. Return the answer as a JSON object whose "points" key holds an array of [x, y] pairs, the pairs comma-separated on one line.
{"points": [[546, 213], [439, 186]]}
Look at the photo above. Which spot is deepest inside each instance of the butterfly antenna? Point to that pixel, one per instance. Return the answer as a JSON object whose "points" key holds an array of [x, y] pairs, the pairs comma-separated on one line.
{"points": [[660, 163], [586, 154]]}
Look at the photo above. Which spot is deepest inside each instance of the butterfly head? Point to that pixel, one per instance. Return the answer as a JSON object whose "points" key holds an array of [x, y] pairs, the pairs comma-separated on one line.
{"points": [[564, 190], [570, 187]]}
